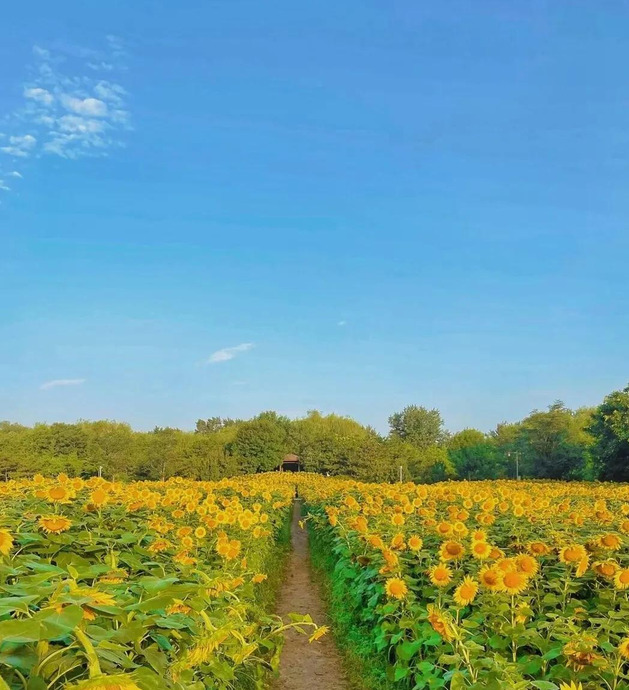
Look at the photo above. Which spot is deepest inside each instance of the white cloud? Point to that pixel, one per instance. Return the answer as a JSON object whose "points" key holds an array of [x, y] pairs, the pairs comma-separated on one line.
{"points": [[228, 353], [61, 382], [20, 146], [342, 323], [15, 173], [91, 107], [68, 110], [113, 93], [74, 123], [101, 66], [41, 52], [40, 95], [3, 187]]}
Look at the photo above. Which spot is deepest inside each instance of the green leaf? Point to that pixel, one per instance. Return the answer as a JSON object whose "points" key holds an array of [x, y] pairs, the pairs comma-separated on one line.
{"points": [[407, 650]]}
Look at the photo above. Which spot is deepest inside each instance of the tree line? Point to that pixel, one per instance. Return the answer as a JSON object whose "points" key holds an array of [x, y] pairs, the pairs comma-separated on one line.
{"points": [[556, 443]]}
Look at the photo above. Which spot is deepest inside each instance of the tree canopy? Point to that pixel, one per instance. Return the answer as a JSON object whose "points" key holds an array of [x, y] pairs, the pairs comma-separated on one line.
{"points": [[586, 443]]}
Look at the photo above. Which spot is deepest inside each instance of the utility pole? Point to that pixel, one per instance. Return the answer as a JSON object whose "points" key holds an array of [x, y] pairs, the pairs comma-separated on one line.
{"points": [[516, 454]]}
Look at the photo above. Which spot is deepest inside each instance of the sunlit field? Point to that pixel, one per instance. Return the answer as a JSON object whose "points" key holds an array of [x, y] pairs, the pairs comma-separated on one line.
{"points": [[145, 585], [487, 584], [113, 586]]}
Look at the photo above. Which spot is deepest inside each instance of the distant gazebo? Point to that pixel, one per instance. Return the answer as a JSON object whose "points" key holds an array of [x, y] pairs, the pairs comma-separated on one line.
{"points": [[290, 463]]}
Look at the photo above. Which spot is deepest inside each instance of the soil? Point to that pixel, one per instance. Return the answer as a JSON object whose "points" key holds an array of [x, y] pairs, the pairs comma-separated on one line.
{"points": [[303, 665]]}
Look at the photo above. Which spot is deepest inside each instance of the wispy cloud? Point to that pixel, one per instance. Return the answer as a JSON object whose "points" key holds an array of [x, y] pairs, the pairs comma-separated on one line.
{"points": [[68, 109], [342, 323], [228, 353], [61, 382]]}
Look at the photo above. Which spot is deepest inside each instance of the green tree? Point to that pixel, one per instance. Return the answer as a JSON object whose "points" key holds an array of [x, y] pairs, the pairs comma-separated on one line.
{"points": [[261, 443], [554, 445], [419, 426], [610, 428]]}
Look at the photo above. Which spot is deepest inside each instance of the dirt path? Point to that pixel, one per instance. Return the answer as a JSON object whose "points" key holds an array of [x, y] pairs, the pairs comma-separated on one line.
{"points": [[304, 665]]}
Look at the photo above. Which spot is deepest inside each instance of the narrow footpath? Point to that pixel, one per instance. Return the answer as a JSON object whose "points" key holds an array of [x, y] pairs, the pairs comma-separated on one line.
{"points": [[304, 665]]}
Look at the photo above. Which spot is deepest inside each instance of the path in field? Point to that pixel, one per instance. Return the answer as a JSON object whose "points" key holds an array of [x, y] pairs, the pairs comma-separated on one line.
{"points": [[304, 665]]}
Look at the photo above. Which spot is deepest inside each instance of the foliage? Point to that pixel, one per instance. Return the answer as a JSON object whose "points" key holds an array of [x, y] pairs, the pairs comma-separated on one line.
{"points": [[555, 443], [610, 428], [418, 426]]}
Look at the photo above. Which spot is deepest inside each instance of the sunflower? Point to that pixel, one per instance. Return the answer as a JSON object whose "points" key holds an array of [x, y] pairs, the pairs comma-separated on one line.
{"points": [[200, 532], [114, 577], [527, 564], [610, 542], [178, 606], [491, 578], [440, 623], [621, 579], [54, 523], [158, 545], [479, 535], [398, 541], [466, 592], [397, 519], [444, 529], [6, 542], [572, 554], [258, 578], [99, 497], [375, 540], [58, 494], [606, 568], [571, 686], [481, 550], [440, 575], [514, 582], [451, 551], [396, 588], [623, 648], [581, 652], [415, 543], [506, 565], [538, 548]]}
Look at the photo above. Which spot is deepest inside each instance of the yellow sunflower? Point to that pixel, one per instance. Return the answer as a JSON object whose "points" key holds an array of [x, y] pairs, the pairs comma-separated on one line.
{"points": [[527, 564], [466, 592], [396, 588], [514, 582], [440, 575], [621, 579], [54, 523], [451, 551], [623, 648], [491, 578], [6, 542], [610, 542], [415, 543], [481, 550], [572, 554], [58, 494]]}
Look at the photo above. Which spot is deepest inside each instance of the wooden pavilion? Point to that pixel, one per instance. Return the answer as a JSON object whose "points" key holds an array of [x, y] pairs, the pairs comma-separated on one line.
{"points": [[290, 463]]}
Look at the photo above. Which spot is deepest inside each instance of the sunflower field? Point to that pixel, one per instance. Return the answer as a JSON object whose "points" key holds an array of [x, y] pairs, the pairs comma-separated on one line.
{"points": [[142, 586], [497, 584]]}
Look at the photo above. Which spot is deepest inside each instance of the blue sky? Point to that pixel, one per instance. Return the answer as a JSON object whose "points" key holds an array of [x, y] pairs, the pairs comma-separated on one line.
{"points": [[375, 204]]}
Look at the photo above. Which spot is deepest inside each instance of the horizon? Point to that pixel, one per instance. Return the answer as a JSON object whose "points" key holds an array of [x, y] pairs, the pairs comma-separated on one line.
{"points": [[382, 430], [347, 208]]}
